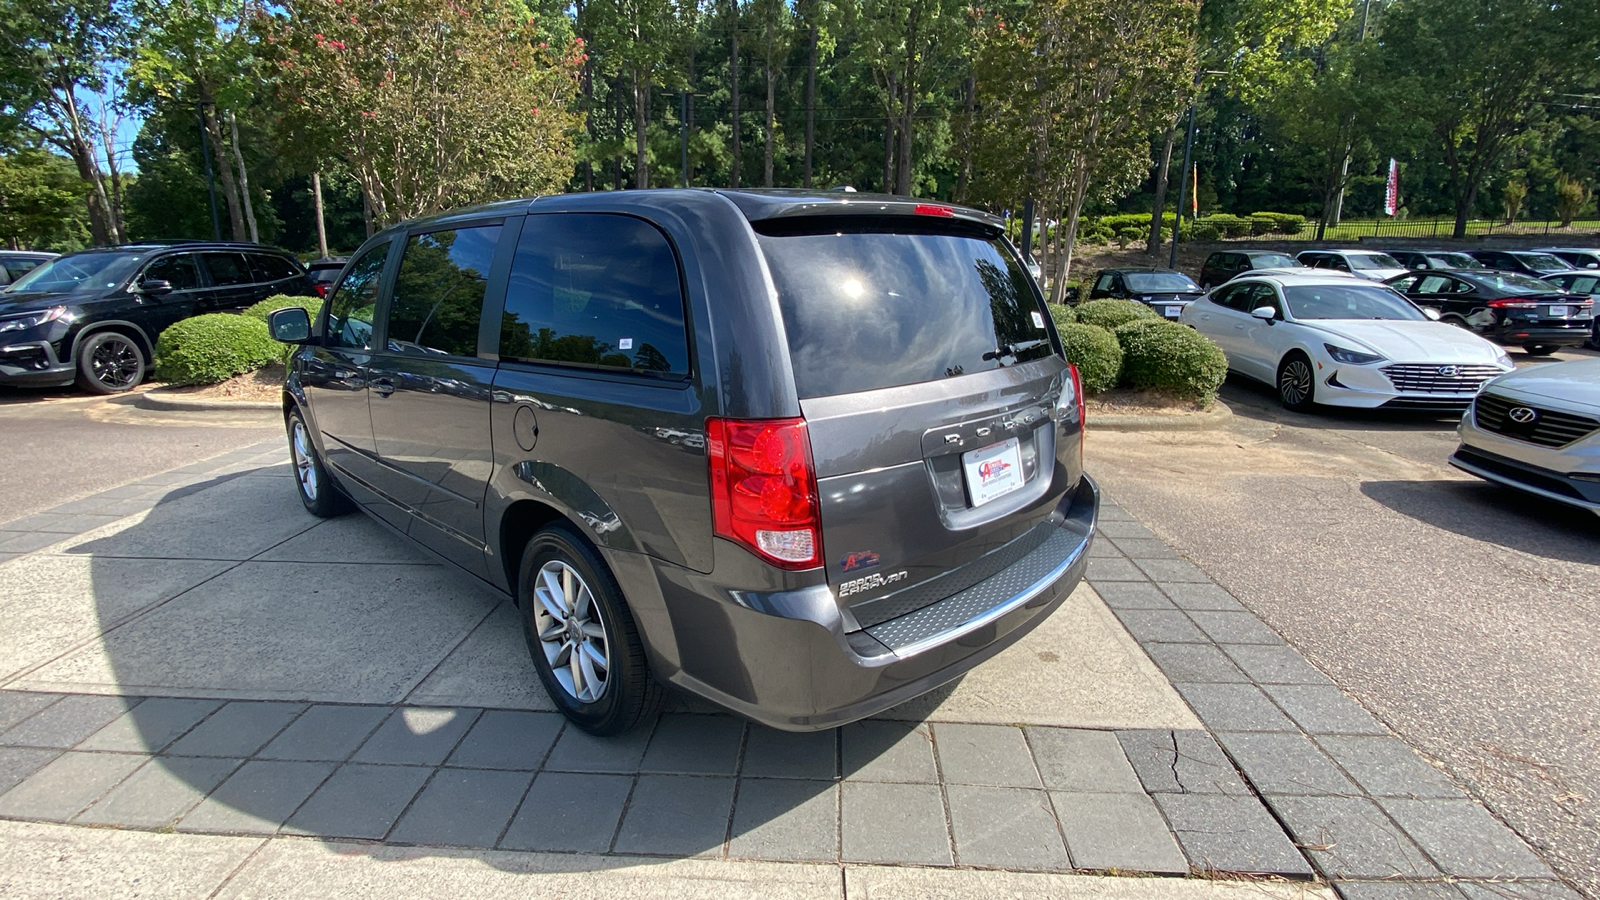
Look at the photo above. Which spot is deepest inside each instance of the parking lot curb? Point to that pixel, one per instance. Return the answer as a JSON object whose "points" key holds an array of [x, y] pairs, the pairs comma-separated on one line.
{"points": [[1215, 417], [156, 401]]}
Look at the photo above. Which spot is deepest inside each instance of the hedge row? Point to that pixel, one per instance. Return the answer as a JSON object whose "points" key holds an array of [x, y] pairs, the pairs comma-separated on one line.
{"points": [[1132, 228], [212, 348], [1116, 342]]}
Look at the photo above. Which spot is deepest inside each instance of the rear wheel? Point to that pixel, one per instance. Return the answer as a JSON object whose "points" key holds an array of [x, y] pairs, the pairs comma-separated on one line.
{"points": [[109, 363], [322, 498], [1539, 349], [1296, 383], [582, 636]]}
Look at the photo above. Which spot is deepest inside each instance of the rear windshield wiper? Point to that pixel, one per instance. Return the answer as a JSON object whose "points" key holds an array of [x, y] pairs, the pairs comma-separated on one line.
{"points": [[1005, 349]]}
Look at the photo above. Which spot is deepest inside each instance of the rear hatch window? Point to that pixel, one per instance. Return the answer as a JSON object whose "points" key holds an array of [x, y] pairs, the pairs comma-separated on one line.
{"points": [[888, 303]]}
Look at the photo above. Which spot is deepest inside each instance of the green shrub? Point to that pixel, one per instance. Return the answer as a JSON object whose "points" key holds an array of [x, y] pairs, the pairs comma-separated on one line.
{"points": [[1095, 352], [1165, 356], [1062, 314], [1260, 225], [1206, 231], [1283, 223], [1108, 313], [276, 302], [213, 348]]}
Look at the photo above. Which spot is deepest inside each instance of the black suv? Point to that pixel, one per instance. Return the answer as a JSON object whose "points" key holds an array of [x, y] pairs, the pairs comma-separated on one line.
{"points": [[1225, 264], [1528, 262], [94, 316], [805, 455]]}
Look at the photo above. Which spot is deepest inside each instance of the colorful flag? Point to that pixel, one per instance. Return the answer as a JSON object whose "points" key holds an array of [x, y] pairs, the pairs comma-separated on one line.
{"points": [[1391, 196], [1194, 196]]}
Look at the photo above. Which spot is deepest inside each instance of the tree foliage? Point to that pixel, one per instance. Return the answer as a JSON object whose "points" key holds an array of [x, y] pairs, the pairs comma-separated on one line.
{"points": [[430, 103]]}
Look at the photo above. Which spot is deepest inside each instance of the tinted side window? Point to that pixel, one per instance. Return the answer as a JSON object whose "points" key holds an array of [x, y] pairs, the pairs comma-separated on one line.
{"points": [[351, 307], [227, 269], [1436, 284], [269, 267], [1104, 284], [180, 270], [595, 290], [438, 293]]}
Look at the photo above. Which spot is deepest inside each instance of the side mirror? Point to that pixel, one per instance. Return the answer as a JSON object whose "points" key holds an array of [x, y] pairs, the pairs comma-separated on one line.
{"points": [[1431, 313], [291, 325], [155, 287], [1264, 312], [1036, 270]]}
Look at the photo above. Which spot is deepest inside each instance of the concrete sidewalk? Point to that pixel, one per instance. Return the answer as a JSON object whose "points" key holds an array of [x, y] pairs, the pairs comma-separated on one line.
{"points": [[192, 653]]}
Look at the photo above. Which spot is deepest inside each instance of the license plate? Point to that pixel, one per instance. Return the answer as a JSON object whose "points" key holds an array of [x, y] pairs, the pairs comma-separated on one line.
{"points": [[1174, 311], [1559, 310], [993, 471]]}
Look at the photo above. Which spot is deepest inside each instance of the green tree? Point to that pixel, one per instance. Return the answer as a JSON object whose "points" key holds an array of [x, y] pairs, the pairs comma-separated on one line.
{"points": [[1330, 113], [430, 104], [41, 201], [1478, 73], [1571, 198], [55, 58]]}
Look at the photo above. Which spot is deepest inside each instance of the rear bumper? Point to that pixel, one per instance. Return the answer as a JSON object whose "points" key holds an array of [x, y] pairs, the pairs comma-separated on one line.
{"points": [[785, 660], [1515, 335], [33, 364]]}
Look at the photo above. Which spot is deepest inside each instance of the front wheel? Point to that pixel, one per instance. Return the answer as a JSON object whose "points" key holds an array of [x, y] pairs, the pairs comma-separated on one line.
{"points": [[1296, 387], [322, 498], [110, 363], [1539, 349], [582, 636]]}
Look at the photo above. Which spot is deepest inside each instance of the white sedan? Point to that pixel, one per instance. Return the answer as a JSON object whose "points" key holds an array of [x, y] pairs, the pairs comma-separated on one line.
{"points": [[1336, 341]]}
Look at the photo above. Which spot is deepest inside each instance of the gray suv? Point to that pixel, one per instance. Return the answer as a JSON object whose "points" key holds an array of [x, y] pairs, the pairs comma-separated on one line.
{"points": [[804, 455]]}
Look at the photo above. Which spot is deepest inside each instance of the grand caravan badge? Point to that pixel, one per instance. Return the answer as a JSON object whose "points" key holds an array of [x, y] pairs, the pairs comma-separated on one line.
{"points": [[871, 582]]}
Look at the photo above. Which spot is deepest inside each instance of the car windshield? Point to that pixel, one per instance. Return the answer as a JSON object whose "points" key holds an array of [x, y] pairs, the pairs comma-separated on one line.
{"points": [[1149, 282], [1273, 261], [1373, 261], [1543, 261], [81, 273], [1348, 301], [1512, 283]]}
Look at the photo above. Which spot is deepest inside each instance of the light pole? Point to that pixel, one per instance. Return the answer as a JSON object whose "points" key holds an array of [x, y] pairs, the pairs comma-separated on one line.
{"points": [[1183, 188]]}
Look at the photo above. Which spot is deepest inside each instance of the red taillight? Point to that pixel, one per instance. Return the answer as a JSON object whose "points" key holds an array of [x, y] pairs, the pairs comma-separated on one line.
{"points": [[764, 489], [1077, 393], [933, 209], [1510, 303], [322, 290]]}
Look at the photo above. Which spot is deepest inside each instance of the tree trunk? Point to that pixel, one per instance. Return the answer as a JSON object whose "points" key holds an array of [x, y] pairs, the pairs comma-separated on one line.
{"points": [[890, 125], [811, 101], [641, 117], [733, 88], [1464, 210], [766, 172], [908, 127], [1158, 209], [108, 134], [244, 179], [1069, 223], [219, 151], [588, 122], [969, 89], [617, 113], [102, 226], [322, 228]]}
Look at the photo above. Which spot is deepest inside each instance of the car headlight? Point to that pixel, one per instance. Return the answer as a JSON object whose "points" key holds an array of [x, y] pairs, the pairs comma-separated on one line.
{"points": [[1504, 361], [31, 320], [1353, 357]]}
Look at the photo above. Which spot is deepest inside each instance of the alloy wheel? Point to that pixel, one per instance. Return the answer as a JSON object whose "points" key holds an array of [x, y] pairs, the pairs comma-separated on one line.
{"points": [[571, 632], [1295, 382], [116, 364], [305, 467]]}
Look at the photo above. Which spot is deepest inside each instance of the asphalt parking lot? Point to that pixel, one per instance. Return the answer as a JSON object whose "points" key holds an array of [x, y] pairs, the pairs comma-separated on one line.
{"points": [[1461, 614]]}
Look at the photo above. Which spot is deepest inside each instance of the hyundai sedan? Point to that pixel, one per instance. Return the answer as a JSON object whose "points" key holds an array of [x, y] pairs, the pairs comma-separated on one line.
{"points": [[1322, 339]]}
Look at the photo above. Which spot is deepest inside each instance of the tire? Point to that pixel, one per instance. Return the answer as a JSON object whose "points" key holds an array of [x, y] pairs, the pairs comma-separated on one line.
{"points": [[601, 683], [1297, 383], [1458, 322], [1539, 349], [322, 498], [110, 362]]}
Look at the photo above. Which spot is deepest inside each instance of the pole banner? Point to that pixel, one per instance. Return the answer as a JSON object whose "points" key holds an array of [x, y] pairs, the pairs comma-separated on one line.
{"points": [[1391, 195]]}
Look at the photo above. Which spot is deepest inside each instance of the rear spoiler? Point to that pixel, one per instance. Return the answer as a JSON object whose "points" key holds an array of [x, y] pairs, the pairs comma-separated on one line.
{"points": [[778, 213]]}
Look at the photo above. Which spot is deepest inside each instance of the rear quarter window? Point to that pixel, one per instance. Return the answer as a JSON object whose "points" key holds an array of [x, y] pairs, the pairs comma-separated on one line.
{"points": [[872, 306]]}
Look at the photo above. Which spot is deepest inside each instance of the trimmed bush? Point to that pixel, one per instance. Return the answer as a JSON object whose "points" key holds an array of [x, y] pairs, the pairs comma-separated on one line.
{"points": [[1260, 225], [212, 348], [1206, 231], [1095, 352], [276, 302], [1165, 356], [1108, 313], [1283, 223]]}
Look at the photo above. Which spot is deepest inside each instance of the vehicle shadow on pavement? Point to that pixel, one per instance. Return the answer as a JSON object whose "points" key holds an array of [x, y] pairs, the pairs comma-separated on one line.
{"points": [[1257, 402], [1499, 515], [290, 676]]}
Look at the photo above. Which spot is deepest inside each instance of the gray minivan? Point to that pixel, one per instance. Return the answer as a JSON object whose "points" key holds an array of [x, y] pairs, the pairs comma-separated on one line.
{"points": [[805, 455]]}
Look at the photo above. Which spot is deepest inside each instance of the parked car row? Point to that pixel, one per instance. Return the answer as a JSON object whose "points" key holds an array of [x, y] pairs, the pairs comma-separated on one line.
{"points": [[93, 317]]}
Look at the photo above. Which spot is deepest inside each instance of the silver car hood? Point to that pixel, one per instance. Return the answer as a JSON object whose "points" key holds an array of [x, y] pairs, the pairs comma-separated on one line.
{"points": [[1576, 383]]}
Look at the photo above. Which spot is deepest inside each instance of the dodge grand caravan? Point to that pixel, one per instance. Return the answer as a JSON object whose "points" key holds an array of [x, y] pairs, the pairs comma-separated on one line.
{"points": [[804, 455]]}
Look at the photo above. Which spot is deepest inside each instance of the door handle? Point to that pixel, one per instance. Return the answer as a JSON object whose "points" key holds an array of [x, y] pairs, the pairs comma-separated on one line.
{"points": [[384, 386]]}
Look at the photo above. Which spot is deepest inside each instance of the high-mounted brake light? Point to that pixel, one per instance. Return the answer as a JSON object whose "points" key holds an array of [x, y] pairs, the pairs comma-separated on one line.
{"points": [[764, 489], [933, 209]]}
